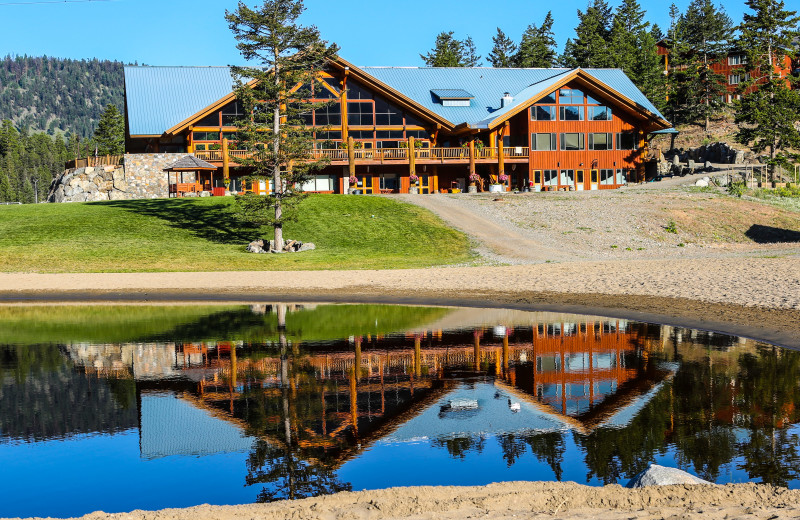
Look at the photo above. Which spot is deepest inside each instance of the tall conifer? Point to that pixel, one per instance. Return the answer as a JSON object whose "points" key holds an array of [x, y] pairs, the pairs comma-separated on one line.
{"points": [[503, 51], [537, 48], [589, 48]]}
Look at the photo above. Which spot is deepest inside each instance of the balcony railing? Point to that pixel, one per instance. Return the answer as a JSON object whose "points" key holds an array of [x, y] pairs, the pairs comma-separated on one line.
{"points": [[440, 155]]}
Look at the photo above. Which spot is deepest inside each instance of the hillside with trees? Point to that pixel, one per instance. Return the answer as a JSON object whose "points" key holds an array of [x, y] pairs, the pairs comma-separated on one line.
{"points": [[58, 96]]}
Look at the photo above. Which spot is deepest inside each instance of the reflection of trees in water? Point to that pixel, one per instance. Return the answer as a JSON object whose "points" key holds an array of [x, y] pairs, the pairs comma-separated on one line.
{"points": [[547, 447], [287, 475], [458, 447]]}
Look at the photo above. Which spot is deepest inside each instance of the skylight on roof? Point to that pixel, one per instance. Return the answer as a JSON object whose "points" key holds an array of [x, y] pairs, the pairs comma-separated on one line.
{"points": [[453, 97]]}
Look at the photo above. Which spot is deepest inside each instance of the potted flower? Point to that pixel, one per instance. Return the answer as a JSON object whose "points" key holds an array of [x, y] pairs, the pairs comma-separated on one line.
{"points": [[500, 185], [413, 179], [474, 178], [353, 180]]}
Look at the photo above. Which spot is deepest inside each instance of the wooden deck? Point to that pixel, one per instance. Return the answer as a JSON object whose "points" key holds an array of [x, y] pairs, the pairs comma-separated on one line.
{"points": [[369, 156]]}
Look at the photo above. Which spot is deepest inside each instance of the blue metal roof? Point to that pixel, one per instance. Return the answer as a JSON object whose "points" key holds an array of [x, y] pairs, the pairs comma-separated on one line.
{"points": [[451, 93], [488, 86], [158, 98]]}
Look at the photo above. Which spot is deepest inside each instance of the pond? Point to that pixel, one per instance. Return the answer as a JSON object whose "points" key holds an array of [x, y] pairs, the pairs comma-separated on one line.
{"points": [[117, 408]]}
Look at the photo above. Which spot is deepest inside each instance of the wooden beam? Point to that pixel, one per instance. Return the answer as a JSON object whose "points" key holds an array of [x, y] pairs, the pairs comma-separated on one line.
{"points": [[471, 156], [351, 162], [226, 167], [412, 159], [343, 105], [501, 154]]}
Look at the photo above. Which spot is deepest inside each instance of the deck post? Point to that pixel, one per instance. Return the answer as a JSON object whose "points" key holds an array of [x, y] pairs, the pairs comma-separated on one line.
{"points": [[501, 154], [351, 162], [412, 159], [471, 158], [417, 353], [476, 346], [226, 167]]}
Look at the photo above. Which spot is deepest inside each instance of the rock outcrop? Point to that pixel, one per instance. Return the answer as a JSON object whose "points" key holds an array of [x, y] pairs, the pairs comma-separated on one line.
{"points": [[657, 475]]}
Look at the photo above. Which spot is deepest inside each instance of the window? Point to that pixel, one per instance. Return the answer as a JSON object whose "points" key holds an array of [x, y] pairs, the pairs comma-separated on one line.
{"points": [[360, 114], [600, 142], [567, 177], [600, 113], [606, 176], [591, 101], [328, 136], [737, 59], [389, 134], [543, 142], [580, 176], [206, 136], [735, 79], [626, 141], [386, 114], [307, 118], [594, 176], [571, 113], [209, 120], [622, 176], [550, 177], [389, 181], [355, 91], [572, 142], [320, 92], [320, 183], [232, 113], [543, 113], [549, 98], [329, 115], [568, 96], [333, 83], [362, 134], [417, 134], [537, 176]]}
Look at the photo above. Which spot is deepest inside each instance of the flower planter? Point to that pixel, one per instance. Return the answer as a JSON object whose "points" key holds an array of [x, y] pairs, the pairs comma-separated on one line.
{"points": [[472, 189], [414, 190], [497, 188]]}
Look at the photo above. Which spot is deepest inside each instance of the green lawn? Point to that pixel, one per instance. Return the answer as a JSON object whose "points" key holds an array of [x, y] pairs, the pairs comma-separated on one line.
{"points": [[353, 232]]}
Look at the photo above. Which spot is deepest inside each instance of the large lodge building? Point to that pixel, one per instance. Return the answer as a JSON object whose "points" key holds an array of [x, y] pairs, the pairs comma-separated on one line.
{"points": [[546, 129]]}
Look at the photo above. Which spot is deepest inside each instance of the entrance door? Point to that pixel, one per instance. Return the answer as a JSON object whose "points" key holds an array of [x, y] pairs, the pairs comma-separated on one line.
{"points": [[425, 184], [594, 179], [580, 182]]}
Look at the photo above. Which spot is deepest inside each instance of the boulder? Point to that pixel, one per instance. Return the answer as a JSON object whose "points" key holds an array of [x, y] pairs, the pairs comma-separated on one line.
{"points": [[307, 246], [739, 157], [703, 183], [256, 246], [692, 165], [657, 475], [707, 166], [722, 180]]}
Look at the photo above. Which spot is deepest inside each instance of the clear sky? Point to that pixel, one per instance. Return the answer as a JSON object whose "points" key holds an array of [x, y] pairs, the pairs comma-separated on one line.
{"points": [[194, 32]]}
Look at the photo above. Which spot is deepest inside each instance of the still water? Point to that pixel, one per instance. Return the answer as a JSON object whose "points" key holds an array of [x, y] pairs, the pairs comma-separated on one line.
{"points": [[140, 407]]}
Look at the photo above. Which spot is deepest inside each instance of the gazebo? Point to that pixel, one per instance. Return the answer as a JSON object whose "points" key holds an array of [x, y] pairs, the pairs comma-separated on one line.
{"points": [[190, 163]]}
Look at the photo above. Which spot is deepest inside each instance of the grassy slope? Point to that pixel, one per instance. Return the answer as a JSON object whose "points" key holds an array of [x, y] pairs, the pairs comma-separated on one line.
{"points": [[203, 235]]}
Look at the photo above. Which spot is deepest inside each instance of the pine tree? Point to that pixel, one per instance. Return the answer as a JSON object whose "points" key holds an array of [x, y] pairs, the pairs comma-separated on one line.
{"points": [[503, 51], [6, 192], [447, 52], [702, 37], [537, 47], [283, 54], [110, 133], [634, 51], [470, 57], [590, 46], [769, 111]]}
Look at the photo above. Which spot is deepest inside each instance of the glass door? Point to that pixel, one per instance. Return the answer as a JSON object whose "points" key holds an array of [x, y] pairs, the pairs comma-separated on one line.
{"points": [[580, 183], [595, 174]]}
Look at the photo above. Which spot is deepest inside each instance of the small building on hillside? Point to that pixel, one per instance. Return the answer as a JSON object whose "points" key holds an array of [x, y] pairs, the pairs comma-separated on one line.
{"points": [[547, 129]]}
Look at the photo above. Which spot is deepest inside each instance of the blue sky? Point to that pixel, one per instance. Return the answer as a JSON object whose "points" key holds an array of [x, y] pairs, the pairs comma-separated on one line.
{"points": [[194, 32]]}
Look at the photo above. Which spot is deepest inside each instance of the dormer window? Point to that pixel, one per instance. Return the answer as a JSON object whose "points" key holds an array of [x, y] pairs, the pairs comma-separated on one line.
{"points": [[453, 97]]}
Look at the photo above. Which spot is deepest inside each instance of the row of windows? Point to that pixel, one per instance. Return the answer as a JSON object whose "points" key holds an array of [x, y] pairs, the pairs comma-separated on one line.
{"points": [[572, 177], [735, 79], [571, 113], [574, 141], [568, 96]]}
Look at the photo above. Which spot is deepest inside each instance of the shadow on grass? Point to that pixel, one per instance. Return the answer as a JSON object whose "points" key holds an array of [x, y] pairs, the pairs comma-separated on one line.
{"points": [[772, 235], [215, 223]]}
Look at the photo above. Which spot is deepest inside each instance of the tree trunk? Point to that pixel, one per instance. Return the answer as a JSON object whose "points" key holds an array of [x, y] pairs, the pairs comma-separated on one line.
{"points": [[276, 170]]}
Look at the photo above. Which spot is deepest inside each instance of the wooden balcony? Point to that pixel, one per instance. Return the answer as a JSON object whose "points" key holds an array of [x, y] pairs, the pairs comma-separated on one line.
{"points": [[372, 156]]}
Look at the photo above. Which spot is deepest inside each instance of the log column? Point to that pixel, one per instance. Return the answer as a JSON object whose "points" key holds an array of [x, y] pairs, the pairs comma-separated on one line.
{"points": [[471, 157], [226, 167], [351, 163]]}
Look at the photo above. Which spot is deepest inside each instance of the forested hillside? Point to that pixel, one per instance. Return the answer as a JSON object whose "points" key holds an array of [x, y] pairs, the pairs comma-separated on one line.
{"points": [[56, 95]]}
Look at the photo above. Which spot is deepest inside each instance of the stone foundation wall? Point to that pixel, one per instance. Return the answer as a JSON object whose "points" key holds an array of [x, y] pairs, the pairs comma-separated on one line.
{"points": [[141, 176]]}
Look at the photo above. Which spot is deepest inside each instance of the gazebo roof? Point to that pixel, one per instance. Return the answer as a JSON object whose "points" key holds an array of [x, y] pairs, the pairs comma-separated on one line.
{"points": [[190, 163]]}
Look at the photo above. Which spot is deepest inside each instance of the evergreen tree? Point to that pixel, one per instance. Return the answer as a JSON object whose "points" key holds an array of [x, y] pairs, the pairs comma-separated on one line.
{"points": [[590, 46], [769, 111], [503, 51], [702, 38], [283, 54], [470, 57], [6, 193], [633, 49], [449, 51], [110, 133], [537, 48]]}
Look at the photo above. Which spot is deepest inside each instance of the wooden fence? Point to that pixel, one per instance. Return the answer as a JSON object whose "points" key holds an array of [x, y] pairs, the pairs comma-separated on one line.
{"points": [[103, 160]]}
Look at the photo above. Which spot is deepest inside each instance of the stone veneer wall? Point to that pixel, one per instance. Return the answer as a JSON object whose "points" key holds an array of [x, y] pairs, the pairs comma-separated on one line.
{"points": [[141, 176]]}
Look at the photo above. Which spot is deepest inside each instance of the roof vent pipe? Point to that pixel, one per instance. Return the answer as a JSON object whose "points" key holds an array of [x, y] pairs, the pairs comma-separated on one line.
{"points": [[506, 100]]}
